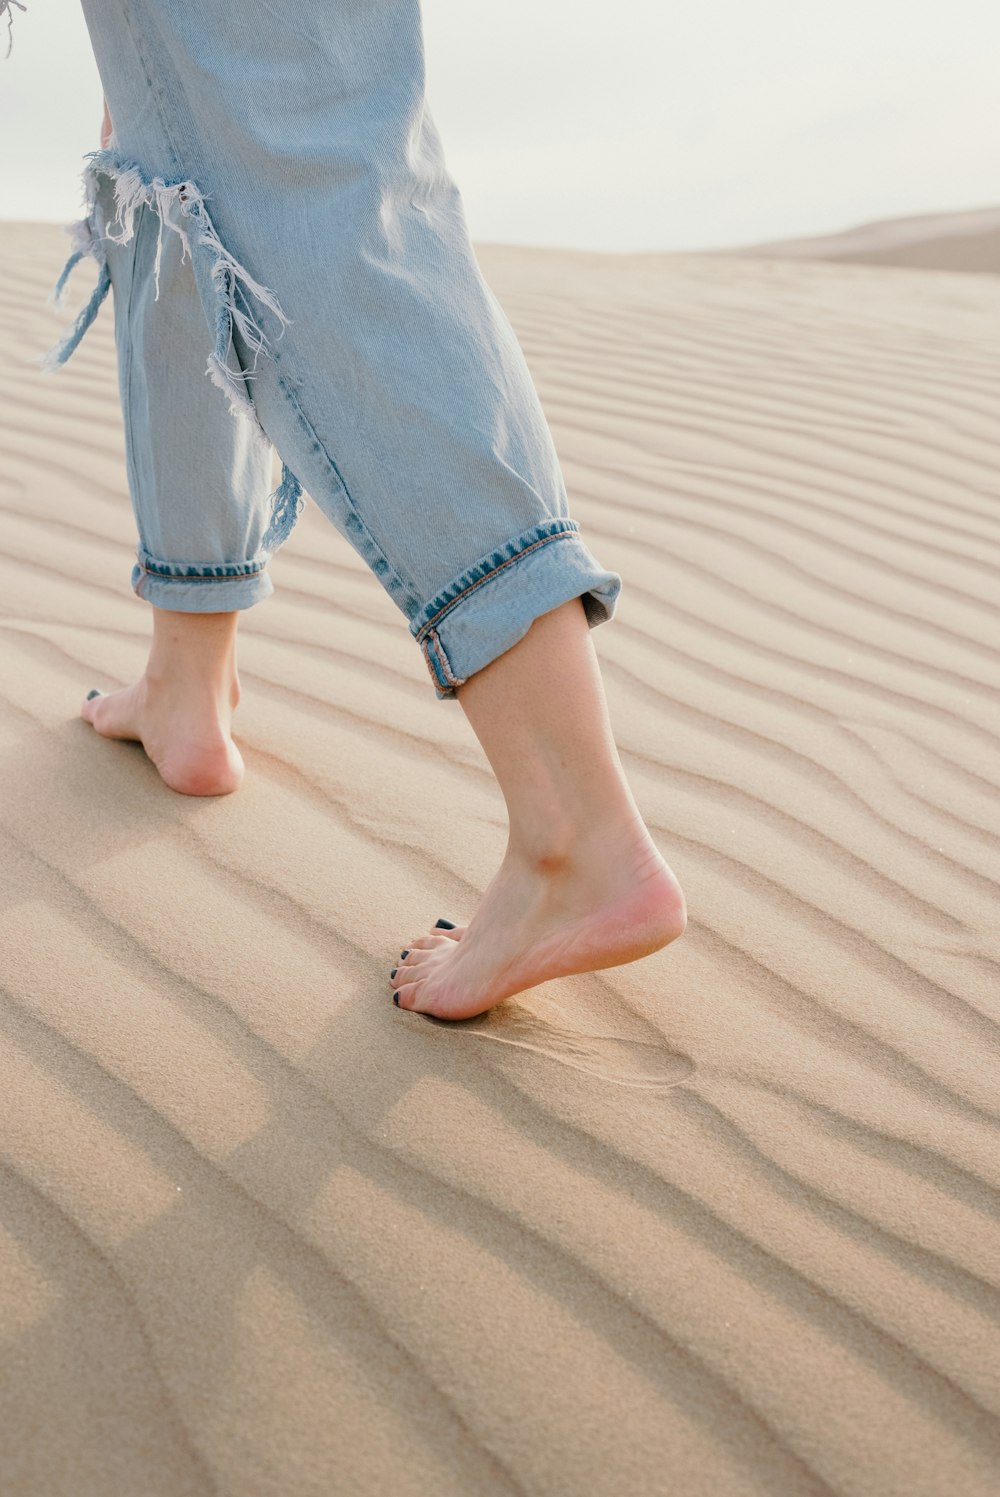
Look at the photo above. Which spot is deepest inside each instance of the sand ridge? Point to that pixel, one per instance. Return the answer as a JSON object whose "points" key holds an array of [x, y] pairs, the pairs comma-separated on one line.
{"points": [[724, 1222], [966, 241]]}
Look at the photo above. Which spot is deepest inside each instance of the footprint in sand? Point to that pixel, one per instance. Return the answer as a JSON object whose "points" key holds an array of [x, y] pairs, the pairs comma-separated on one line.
{"points": [[640, 1063]]}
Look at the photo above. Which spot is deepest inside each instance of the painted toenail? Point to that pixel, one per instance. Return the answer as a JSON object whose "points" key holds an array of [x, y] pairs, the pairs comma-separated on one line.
{"points": [[404, 954], [93, 692], [395, 999], [393, 972], [444, 925]]}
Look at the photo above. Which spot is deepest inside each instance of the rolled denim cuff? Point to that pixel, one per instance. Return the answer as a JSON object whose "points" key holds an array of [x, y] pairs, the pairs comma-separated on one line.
{"points": [[487, 609], [201, 589]]}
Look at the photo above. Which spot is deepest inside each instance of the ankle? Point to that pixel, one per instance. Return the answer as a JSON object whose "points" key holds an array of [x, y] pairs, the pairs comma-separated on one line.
{"points": [[565, 848], [625, 879], [214, 692], [194, 654]]}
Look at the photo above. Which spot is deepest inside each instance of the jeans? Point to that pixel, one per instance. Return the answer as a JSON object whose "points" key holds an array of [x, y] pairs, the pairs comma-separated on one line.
{"points": [[291, 269]]}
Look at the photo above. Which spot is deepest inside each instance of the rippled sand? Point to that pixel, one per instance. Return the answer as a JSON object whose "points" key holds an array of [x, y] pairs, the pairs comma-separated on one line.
{"points": [[724, 1222]]}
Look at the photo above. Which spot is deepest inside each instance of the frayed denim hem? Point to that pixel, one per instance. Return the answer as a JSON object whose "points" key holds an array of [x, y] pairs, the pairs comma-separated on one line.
{"points": [[200, 589], [488, 608]]}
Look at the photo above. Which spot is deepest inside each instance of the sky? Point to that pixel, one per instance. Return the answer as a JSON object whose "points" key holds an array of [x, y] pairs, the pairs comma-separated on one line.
{"points": [[632, 125]]}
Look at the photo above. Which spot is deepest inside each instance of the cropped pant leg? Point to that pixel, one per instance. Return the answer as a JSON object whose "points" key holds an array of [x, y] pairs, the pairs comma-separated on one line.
{"points": [[200, 482], [287, 151]]}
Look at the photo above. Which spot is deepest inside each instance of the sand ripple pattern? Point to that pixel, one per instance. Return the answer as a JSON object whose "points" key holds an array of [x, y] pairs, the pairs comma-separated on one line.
{"points": [[725, 1222]]}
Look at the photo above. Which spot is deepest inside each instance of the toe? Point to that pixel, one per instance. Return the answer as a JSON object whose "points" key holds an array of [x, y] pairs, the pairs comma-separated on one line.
{"points": [[406, 971], [447, 928], [434, 940], [417, 956], [405, 996]]}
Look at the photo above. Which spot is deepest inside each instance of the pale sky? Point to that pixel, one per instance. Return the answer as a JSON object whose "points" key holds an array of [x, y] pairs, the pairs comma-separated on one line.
{"points": [[632, 125]]}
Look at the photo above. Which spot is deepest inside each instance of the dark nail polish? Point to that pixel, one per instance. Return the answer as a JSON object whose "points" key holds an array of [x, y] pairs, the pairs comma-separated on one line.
{"points": [[395, 999], [444, 925], [404, 954], [393, 972], [93, 692]]}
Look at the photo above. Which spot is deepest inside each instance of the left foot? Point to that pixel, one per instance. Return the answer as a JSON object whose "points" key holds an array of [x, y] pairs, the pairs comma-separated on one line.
{"points": [[183, 728], [542, 918]]}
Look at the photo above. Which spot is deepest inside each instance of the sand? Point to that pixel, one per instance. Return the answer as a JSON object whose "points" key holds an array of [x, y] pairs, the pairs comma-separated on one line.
{"points": [[930, 241], [722, 1222]]}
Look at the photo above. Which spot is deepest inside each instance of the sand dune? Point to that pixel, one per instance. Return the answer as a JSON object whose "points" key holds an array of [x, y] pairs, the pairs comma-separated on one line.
{"points": [[929, 241], [724, 1222]]}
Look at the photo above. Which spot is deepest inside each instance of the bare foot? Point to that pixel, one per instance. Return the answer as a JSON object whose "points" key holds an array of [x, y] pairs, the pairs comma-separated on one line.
{"points": [[184, 729], [542, 918]]}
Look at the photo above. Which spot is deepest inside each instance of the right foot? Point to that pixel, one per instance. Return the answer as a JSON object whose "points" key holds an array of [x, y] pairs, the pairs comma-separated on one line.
{"points": [[544, 918], [185, 732]]}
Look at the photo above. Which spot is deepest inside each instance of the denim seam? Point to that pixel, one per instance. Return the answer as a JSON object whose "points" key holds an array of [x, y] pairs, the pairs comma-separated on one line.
{"points": [[543, 540], [433, 640], [256, 571], [129, 424], [156, 90], [319, 447]]}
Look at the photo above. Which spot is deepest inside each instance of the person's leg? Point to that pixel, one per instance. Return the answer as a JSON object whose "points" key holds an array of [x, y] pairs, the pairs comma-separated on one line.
{"points": [[582, 884], [199, 482], [395, 389]]}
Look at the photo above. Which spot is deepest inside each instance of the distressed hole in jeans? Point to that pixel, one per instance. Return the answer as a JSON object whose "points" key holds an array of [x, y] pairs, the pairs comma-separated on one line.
{"points": [[179, 206]]}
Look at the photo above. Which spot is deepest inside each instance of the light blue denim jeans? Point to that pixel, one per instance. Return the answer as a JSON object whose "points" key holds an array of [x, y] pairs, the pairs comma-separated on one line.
{"points": [[275, 212]]}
